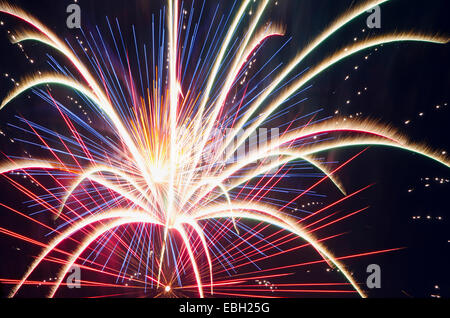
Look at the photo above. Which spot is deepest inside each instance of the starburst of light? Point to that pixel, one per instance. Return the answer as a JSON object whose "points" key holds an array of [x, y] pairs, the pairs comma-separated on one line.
{"points": [[164, 136]]}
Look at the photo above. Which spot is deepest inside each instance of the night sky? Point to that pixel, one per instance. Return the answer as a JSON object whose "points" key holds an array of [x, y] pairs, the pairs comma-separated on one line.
{"points": [[405, 85]]}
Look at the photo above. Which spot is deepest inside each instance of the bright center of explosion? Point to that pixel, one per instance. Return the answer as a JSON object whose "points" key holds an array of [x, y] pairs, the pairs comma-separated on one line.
{"points": [[167, 289], [159, 173]]}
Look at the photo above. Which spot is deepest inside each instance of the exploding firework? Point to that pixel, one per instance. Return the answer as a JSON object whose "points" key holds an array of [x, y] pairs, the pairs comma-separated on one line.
{"points": [[167, 179]]}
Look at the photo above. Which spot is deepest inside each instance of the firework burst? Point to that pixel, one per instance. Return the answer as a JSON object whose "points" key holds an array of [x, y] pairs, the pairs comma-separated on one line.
{"points": [[167, 176]]}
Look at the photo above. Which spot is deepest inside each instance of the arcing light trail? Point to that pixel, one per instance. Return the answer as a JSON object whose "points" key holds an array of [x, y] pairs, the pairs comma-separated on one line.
{"points": [[159, 179]]}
